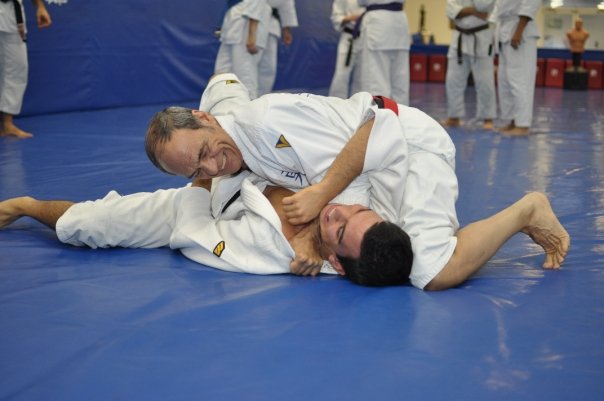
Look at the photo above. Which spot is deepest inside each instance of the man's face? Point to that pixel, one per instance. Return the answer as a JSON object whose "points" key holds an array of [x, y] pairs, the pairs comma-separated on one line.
{"points": [[342, 227], [200, 153]]}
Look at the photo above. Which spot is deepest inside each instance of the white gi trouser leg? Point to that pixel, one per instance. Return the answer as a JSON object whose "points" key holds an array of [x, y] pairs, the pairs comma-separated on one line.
{"points": [[400, 76], [142, 220], [267, 66], [236, 59], [13, 72], [455, 84], [484, 83], [340, 83], [386, 73], [516, 80]]}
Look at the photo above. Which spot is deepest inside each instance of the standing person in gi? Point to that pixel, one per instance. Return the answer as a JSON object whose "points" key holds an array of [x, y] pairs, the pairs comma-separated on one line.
{"points": [[283, 18], [385, 42], [471, 49], [243, 37], [344, 14], [13, 60], [517, 32]]}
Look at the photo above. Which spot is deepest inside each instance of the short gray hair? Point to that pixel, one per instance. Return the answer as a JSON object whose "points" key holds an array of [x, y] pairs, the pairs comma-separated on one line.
{"points": [[163, 124]]}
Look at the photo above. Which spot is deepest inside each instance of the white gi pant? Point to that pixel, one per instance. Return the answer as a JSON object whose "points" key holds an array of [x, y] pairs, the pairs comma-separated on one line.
{"points": [[13, 72], [517, 67], [233, 55], [235, 58], [516, 80], [343, 75], [267, 66]]}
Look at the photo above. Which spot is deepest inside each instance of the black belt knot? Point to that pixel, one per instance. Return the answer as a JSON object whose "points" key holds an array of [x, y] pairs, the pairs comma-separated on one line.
{"points": [[470, 31]]}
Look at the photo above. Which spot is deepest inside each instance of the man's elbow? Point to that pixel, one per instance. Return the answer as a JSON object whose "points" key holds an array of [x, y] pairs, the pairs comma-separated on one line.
{"points": [[442, 283]]}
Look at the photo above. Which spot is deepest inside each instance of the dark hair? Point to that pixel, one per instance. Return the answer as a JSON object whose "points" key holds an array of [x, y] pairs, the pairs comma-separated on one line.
{"points": [[163, 124], [386, 257]]}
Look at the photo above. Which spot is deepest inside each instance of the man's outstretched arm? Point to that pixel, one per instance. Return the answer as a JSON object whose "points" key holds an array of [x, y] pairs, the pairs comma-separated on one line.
{"points": [[46, 212]]}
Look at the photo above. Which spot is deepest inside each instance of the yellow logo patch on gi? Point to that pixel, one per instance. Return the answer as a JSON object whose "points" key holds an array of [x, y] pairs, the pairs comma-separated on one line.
{"points": [[282, 143], [231, 81], [218, 249]]}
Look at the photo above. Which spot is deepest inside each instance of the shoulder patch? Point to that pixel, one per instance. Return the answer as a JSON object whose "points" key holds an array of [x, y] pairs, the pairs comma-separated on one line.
{"points": [[231, 81], [282, 143], [219, 248]]}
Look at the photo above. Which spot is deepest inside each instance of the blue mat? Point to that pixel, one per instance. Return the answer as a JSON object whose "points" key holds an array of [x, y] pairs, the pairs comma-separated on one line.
{"points": [[80, 324]]}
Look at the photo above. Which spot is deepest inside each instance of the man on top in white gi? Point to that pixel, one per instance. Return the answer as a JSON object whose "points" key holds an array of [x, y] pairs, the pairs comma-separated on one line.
{"points": [[13, 60], [344, 14], [384, 42], [283, 18], [517, 33], [407, 169], [471, 50], [243, 38]]}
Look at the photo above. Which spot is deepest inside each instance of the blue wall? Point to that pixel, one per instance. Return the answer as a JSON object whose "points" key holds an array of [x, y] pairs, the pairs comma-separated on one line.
{"points": [[100, 54]]}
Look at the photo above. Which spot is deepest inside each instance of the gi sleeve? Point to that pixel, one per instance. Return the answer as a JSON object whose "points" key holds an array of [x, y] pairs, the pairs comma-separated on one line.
{"points": [[287, 14], [338, 12], [529, 8], [453, 8]]}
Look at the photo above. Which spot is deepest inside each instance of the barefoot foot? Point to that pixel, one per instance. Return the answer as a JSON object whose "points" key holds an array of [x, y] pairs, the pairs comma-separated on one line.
{"points": [[451, 122], [545, 230], [10, 210], [11, 129], [517, 131]]}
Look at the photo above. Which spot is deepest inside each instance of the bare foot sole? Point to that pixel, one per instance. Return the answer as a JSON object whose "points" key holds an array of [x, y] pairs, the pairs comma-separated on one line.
{"points": [[546, 231]]}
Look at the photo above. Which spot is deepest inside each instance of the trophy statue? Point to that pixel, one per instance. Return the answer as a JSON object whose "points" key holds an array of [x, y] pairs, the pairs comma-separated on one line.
{"points": [[425, 36]]}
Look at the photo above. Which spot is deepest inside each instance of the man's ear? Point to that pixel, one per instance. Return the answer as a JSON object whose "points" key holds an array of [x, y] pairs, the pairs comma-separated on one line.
{"points": [[335, 263], [202, 115]]}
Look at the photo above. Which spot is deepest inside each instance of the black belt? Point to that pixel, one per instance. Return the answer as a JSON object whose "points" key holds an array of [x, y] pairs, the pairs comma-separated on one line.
{"points": [[18, 14], [349, 30], [275, 14], [394, 6], [470, 31]]}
